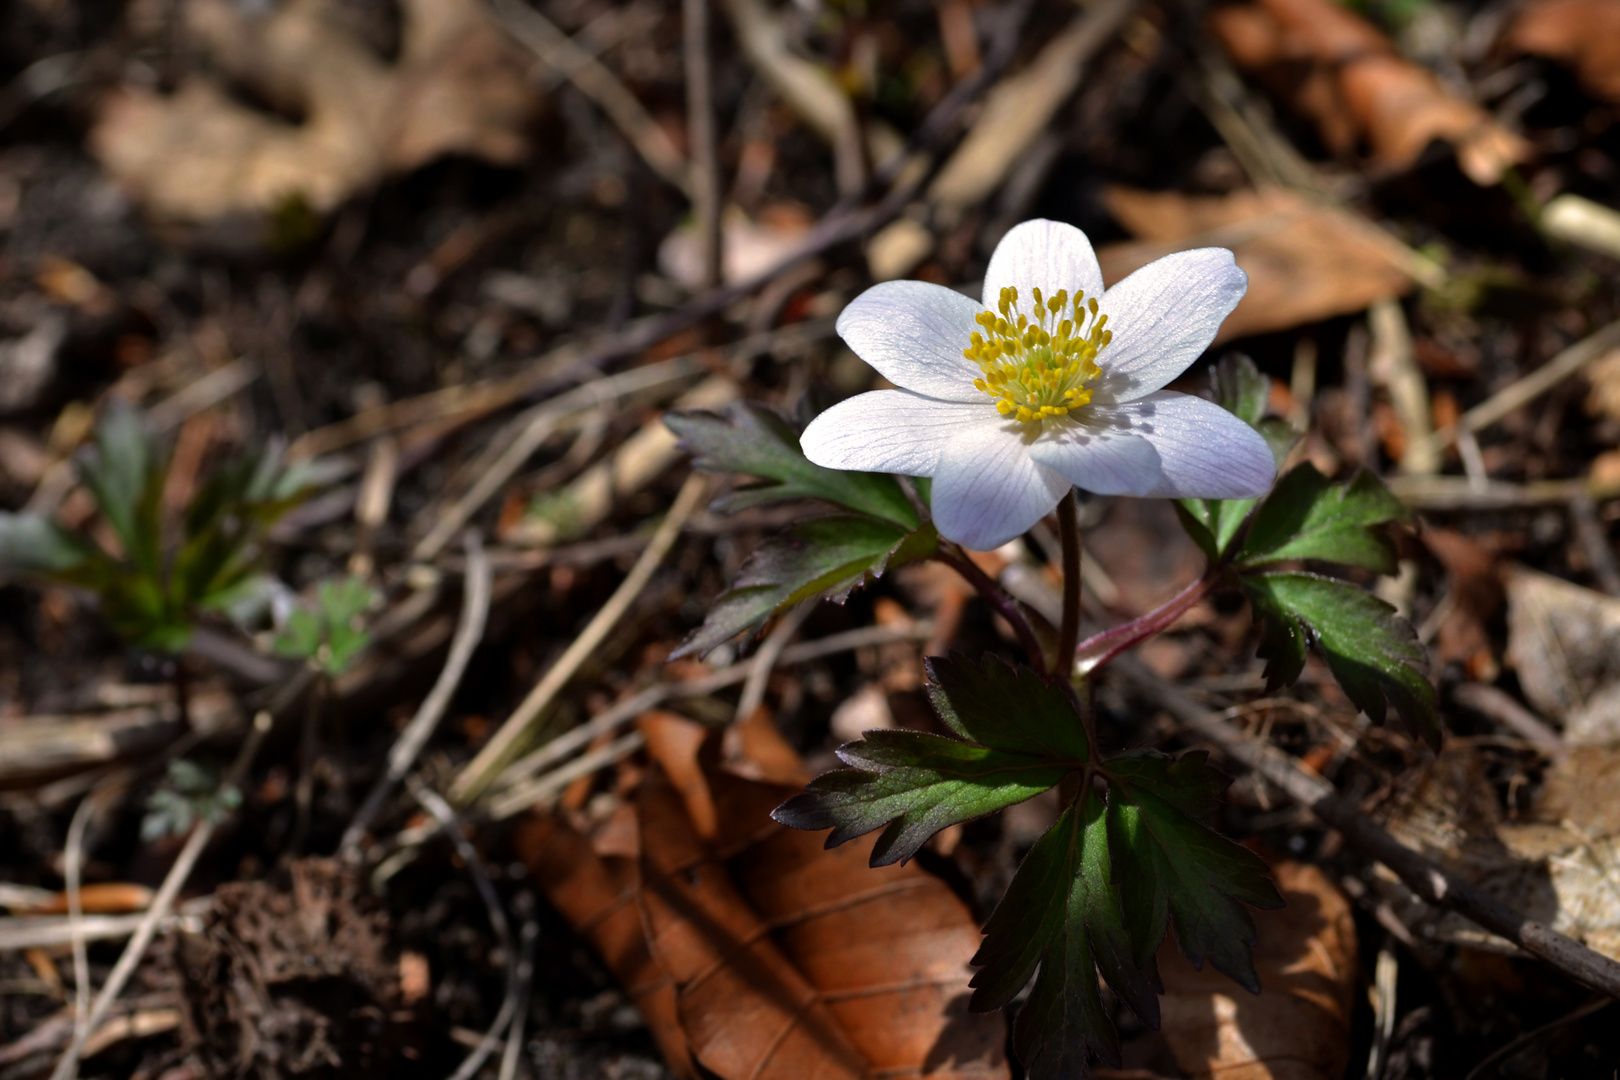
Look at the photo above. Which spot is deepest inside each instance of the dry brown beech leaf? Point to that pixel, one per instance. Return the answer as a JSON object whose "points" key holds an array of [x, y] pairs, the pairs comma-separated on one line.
{"points": [[1298, 1027], [1564, 643], [752, 950], [1559, 866], [1343, 73], [1305, 261], [1584, 34], [458, 86]]}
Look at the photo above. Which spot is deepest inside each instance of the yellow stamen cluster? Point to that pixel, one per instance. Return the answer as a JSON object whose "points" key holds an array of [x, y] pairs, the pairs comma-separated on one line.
{"points": [[1038, 369]]}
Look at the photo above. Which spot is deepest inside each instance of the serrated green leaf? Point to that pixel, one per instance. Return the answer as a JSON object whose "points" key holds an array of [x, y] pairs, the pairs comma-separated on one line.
{"points": [[300, 636], [1170, 865], [828, 557], [916, 784], [994, 703], [1244, 391], [1306, 516], [753, 439], [1373, 652], [1063, 912]]}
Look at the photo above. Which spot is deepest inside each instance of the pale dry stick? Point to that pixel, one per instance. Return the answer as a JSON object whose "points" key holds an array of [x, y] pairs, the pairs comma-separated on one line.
{"points": [[1392, 365], [49, 931], [543, 421], [653, 696], [72, 864], [753, 691], [204, 393], [1433, 884], [701, 137], [450, 825], [808, 88], [558, 51], [406, 749], [1457, 493], [172, 883], [515, 800], [1491, 702], [476, 775], [1525, 390]]}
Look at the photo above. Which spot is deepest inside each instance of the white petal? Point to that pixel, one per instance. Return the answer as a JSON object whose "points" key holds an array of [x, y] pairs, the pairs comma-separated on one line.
{"points": [[987, 490], [914, 332], [1047, 255], [1162, 317], [1204, 451], [1099, 457], [892, 431]]}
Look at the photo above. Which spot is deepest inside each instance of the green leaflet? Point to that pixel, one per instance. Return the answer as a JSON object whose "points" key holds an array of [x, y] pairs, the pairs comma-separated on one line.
{"points": [[828, 557], [1171, 864], [1063, 911], [1020, 735], [1306, 516], [1244, 391], [751, 438], [1098, 890], [994, 703], [916, 784], [1373, 652]]}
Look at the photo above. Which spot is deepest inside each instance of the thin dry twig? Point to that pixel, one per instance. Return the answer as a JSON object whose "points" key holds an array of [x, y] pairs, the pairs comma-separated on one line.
{"points": [[445, 817], [1525, 390], [596, 81], [533, 430], [476, 775], [702, 137], [1435, 885], [406, 749], [68, 1066], [753, 691]]}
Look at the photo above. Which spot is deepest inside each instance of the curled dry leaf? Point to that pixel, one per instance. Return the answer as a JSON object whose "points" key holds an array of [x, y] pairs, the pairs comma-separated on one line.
{"points": [[459, 86], [1559, 866], [1564, 642], [1298, 1028], [1584, 34], [1341, 72], [752, 950], [1306, 261]]}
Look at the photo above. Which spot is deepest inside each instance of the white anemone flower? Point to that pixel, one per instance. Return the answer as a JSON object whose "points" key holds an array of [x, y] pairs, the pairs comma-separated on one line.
{"points": [[1053, 382]]}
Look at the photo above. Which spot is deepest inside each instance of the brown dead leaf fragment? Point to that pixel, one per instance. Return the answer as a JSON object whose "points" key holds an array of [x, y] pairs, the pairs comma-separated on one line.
{"points": [[459, 86], [1560, 867], [1564, 642], [758, 952], [1305, 261], [1298, 1027], [1584, 34], [1343, 73]]}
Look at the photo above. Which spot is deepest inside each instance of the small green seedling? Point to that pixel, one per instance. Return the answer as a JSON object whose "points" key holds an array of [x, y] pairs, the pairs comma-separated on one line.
{"points": [[159, 576], [189, 794], [331, 633]]}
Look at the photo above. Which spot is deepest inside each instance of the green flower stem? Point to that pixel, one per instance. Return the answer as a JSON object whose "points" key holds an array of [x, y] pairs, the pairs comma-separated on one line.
{"points": [[997, 598], [1069, 532], [1098, 649]]}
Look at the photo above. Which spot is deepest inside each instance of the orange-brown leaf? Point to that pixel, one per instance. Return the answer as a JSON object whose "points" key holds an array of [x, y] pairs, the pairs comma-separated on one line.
{"points": [[1584, 34], [1343, 73], [1298, 1028], [1305, 261]]}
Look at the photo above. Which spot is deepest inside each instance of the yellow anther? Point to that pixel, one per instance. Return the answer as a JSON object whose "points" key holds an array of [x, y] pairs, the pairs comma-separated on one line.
{"points": [[1036, 364]]}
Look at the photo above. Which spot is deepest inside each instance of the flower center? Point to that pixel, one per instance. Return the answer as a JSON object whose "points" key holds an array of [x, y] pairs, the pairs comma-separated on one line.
{"points": [[1036, 370]]}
